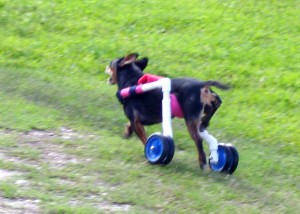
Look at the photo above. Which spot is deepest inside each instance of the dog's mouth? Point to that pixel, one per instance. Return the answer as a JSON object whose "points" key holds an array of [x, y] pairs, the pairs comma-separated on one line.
{"points": [[110, 72], [109, 81]]}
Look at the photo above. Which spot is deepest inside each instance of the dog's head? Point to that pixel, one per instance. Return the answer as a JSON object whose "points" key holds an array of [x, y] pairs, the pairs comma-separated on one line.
{"points": [[116, 66]]}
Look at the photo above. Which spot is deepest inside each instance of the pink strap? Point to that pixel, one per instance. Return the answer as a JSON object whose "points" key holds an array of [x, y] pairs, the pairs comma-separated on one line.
{"points": [[147, 78], [175, 107]]}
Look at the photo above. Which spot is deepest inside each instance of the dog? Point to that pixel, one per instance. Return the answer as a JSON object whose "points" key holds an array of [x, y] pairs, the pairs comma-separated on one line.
{"points": [[197, 102]]}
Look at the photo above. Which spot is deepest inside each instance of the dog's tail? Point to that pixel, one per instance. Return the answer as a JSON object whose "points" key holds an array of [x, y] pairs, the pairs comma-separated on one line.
{"points": [[216, 84]]}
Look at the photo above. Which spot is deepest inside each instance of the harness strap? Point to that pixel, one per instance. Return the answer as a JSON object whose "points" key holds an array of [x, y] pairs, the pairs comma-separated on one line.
{"points": [[137, 89]]}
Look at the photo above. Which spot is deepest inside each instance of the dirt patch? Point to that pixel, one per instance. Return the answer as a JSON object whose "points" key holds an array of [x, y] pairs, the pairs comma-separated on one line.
{"points": [[40, 134], [63, 133], [105, 206], [43, 141], [19, 206], [50, 153], [50, 146], [4, 155], [114, 207], [6, 174]]}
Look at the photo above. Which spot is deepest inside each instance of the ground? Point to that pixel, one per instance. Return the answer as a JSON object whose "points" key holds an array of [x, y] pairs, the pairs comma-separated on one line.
{"points": [[52, 154]]}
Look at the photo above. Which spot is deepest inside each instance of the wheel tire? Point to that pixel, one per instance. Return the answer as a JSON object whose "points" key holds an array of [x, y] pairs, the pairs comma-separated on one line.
{"points": [[156, 148], [171, 152], [235, 158], [225, 159]]}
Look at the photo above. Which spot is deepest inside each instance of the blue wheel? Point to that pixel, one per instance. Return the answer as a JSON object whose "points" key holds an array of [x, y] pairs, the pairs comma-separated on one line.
{"points": [[225, 159], [171, 152], [235, 158], [157, 149]]}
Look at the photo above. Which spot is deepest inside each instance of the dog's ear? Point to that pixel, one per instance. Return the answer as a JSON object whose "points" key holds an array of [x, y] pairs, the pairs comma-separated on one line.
{"points": [[130, 58], [142, 64]]}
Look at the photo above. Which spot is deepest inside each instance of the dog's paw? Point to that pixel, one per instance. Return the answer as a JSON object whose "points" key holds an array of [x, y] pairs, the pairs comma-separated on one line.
{"points": [[204, 166], [127, 135]]}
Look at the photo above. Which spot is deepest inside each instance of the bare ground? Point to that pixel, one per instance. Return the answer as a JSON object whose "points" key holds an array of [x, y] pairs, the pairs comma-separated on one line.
{"points": [[52, 154]]}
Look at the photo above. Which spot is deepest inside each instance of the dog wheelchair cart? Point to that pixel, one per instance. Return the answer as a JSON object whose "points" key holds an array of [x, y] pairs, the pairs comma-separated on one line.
{"points": [[160, 148]]}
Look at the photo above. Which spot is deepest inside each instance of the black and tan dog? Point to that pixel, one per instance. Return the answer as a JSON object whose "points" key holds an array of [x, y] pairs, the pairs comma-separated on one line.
{"points": [[197, 101]]}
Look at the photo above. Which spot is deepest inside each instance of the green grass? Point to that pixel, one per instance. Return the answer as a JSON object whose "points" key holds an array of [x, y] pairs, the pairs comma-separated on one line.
{"points": [[52, 60], [8, 191]]}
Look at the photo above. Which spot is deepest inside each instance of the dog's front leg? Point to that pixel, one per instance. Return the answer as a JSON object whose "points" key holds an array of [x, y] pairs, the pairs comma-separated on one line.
{"points": [[139, 130], [128, 130], [193, 130]]}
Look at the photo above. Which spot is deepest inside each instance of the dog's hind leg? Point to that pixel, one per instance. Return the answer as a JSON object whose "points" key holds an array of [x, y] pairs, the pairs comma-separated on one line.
{"points": [[193, 126], [128, 130], [138, 128], [209, 111]]}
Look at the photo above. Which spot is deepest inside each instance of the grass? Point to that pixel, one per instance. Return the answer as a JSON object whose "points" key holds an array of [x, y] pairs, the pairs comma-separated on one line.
{"points": [[52, 60]]}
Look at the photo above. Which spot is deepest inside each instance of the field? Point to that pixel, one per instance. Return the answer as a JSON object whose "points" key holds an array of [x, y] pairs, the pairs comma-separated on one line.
{"points": [[61, 145]]}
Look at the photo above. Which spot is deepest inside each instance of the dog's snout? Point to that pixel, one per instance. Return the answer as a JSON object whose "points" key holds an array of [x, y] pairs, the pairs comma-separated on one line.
{"points": [[107, 70]]}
